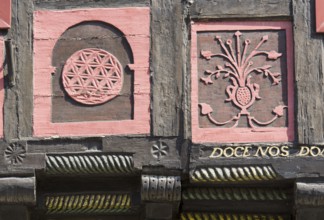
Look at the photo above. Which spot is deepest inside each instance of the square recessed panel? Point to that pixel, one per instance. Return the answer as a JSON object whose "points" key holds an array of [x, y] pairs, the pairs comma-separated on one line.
{"points": [[5, 14], [91, 73], [242, 82]]}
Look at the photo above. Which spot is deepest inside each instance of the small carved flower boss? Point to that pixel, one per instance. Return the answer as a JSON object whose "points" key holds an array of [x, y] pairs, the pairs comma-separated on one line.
{"points": [[242, 82]]}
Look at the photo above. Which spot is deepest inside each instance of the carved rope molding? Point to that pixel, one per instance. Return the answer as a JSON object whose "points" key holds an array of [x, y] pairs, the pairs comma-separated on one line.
{"points": [[166, 188], [89, 164], [233, 174], [88, 203], [216, 216], [237, 194]]}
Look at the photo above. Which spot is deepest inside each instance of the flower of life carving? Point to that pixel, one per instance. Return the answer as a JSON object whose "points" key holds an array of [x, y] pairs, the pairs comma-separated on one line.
{"points": [[92, 76]]}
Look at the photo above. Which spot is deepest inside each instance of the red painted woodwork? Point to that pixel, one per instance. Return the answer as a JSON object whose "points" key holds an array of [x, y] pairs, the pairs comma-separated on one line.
{"points": [[320, 16], [1, 84], [5, 14], [134, 24], [240, 60]]}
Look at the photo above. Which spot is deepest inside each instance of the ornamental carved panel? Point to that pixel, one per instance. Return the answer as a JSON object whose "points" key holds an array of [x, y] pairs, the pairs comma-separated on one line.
{"points": [[242, 82], [91, 72]]}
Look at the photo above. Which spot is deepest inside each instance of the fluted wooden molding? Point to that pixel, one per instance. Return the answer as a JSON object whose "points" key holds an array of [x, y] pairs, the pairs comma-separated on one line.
{"points": [[161, 188]]}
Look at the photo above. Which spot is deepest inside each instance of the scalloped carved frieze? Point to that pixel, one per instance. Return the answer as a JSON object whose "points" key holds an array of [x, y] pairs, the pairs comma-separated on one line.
{"points": [[161, 188]]}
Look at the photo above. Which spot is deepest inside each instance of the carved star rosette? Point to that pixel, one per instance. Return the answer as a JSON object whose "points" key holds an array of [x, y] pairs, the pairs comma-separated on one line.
{"points": [[242, 89]]}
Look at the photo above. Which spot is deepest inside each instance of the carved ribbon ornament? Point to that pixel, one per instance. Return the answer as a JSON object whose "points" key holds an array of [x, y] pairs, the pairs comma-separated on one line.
{"points": [[239, 67]]}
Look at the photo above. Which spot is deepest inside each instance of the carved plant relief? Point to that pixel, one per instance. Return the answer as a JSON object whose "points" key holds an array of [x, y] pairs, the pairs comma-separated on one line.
{"points": [[239, 68], [242, 82]]}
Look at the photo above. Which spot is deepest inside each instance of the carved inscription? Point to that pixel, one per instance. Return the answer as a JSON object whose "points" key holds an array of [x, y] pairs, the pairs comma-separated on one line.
{"points": [[266, 151]]}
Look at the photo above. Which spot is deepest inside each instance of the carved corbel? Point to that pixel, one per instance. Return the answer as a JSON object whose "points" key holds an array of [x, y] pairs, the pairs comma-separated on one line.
{"points": [[162, 195], [309, 200]]}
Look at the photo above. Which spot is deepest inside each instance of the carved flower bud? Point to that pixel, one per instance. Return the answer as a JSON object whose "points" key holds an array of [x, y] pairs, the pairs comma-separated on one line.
{"points": [[273, 55], [205, 109], [219, 67], [206, 54], [206, 80], [279, 110], [238, 33], [265, 37]]}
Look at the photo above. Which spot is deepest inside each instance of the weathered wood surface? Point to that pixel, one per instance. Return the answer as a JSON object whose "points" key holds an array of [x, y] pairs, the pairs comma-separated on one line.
{"points": [[17, 212], [166, 67], [309, 67], [309, 194], [240, 9], [147, 152], [18, 102], [16, 190]]}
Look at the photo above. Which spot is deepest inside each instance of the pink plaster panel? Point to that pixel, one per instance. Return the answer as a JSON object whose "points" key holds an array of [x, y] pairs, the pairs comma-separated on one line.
{"points": [[5, 14], [134, 23], [240, 134], [1, 84], [320, 16]]}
